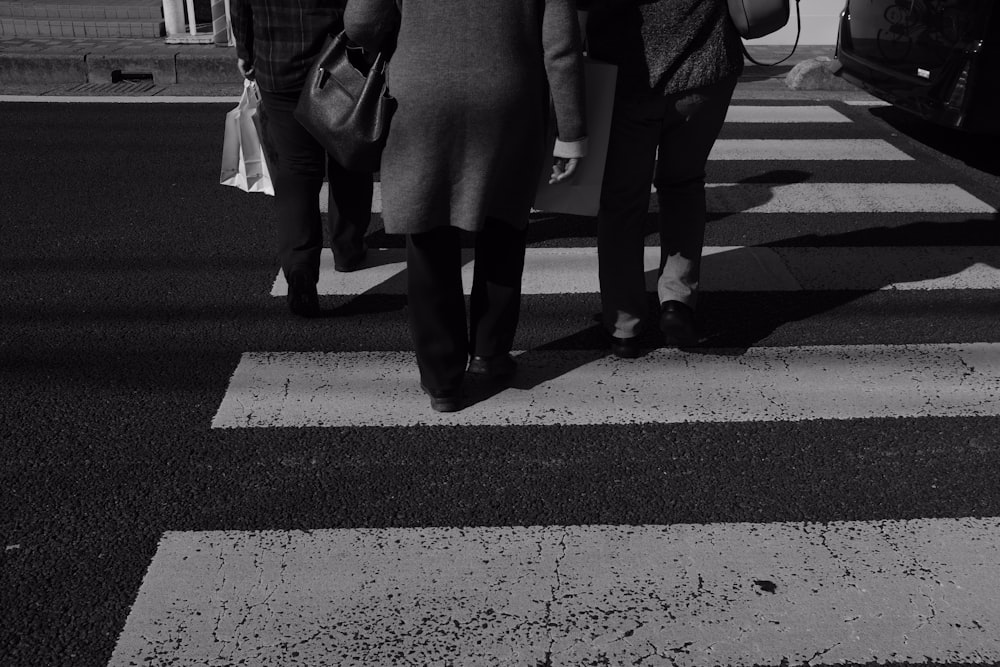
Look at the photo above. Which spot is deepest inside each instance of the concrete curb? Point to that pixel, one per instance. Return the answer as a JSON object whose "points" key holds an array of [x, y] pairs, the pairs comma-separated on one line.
{"points": [[201, 67], [42, 68], [100, 67], [217, 65], [208, 65]]}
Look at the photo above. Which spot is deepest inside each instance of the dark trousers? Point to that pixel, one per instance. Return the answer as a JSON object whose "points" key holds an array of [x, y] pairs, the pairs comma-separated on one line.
{"points": [[437, 302], [301, 164], [663, 140]]}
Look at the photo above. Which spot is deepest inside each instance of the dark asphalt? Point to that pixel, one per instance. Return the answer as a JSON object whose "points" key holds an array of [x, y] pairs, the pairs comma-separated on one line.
{"points": [[131, 282]]}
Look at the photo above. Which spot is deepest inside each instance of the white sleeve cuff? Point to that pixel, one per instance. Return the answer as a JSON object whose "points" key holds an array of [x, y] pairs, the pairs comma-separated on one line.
{"points": [[570, 149]]}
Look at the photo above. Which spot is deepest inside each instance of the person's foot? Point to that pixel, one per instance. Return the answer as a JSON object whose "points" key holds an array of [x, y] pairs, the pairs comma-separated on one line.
{"points": [[444, 401], [302, 297], [625, 348], [677, 323], [355, 262], [495, 367]]}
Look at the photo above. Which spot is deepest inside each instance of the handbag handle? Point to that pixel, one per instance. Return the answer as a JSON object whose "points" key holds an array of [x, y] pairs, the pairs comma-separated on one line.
{"points": [[380, 63], [798, 33]]}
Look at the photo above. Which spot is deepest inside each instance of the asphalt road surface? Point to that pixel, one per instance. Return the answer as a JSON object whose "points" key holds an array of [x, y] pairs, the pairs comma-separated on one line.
{"points": [[134, 287]]}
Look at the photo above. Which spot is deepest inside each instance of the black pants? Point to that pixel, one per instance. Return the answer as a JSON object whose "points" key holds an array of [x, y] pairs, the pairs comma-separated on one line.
{"points": [[437, 302], [681, 128], [302, 163]]}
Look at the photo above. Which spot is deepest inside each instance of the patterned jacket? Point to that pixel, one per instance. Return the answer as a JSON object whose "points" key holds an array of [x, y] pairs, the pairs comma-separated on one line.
{"points": [[280, 38], [664, 46]]}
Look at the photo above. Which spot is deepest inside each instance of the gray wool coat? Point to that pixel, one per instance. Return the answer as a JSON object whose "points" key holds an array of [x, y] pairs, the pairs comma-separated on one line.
{"points": [[472, 78]]}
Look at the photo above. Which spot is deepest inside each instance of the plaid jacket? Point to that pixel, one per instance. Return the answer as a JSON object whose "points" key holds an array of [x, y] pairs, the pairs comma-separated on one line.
{"points": [[280, 38]]}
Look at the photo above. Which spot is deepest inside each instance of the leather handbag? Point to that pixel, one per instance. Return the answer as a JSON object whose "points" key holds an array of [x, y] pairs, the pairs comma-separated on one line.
{"points": [[756, 18], [345, 108]]}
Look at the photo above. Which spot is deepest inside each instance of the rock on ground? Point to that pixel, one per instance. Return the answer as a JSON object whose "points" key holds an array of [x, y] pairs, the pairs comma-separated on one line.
{"points": [[817, 74]]}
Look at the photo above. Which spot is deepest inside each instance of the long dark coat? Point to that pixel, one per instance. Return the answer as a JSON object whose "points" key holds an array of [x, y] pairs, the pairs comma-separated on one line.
{"points": [[472, 79]]}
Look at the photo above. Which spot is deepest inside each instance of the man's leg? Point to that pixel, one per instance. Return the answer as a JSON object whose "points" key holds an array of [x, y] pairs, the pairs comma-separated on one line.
{"points": [[694, 120], [297, 182]]}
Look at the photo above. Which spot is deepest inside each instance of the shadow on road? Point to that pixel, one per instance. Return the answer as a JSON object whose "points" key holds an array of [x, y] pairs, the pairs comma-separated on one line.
{"points": [[976, 150]]}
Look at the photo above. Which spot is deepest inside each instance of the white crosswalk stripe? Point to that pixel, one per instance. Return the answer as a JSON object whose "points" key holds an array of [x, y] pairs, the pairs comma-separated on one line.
{"points": [[790, 114], [815, 198], [296, 389], [725, 269], [842, 198], [806, 149], [681, 595], [692, 595]]}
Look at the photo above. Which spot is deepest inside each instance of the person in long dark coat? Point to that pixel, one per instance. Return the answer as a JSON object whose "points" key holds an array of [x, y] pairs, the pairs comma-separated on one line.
{"points": [[465, 152], [678, 64], [276, 42]]}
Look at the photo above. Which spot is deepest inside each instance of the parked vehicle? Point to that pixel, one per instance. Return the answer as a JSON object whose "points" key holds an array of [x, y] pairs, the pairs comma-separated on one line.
{"points": [[939, 59]]}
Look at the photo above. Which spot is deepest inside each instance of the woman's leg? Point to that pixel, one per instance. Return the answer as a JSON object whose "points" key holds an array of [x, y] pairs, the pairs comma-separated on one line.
{"points": [[693, 122], [628, 174], [495, 304], [348, 214], [437, 308]]}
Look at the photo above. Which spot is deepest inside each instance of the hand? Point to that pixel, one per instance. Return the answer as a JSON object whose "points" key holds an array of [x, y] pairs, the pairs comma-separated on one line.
{"points": [[563, 168], [245, 69]]}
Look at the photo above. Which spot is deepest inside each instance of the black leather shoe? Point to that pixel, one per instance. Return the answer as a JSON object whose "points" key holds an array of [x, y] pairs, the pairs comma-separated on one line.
{"points": [[625, 348], [677, 323], [302, 297], [353, 264], [496, 367], [444, 401]]}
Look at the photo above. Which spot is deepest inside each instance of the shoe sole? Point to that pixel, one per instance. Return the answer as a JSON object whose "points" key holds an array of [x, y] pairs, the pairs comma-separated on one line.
{"points": [[443, 403], [677, 332], [492, 375], [626, 351]]}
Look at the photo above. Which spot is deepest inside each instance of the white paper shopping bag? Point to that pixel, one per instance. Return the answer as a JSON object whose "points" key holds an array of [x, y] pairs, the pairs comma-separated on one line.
{"points": [[581, 194], [244, 164]]}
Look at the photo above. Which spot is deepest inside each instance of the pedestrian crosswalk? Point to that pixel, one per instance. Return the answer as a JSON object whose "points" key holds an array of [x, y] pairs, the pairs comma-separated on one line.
{"points": [[323, 389], [747, 113], [855, 150], [726, 269], [859, 592], [818, 198], [672, 594]]}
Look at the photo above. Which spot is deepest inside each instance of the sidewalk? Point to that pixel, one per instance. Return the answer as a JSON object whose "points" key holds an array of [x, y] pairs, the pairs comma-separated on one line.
{"points": [[149, 66]]}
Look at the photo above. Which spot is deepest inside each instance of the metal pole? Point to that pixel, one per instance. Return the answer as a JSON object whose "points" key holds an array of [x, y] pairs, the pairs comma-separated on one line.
{"points": [[173, 17], [192, 24], [220, 23]]}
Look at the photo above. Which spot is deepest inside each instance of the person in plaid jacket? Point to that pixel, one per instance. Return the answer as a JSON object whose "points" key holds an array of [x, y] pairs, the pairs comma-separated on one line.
{"points": [[276, 42]]}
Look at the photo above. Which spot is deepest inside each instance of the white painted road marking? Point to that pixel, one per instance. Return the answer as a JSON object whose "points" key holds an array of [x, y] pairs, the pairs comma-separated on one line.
{"points": [[724, 269], [746, 113], [805, 149], [813, 198], [842, 198], [684, 595], [329, 389]]}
